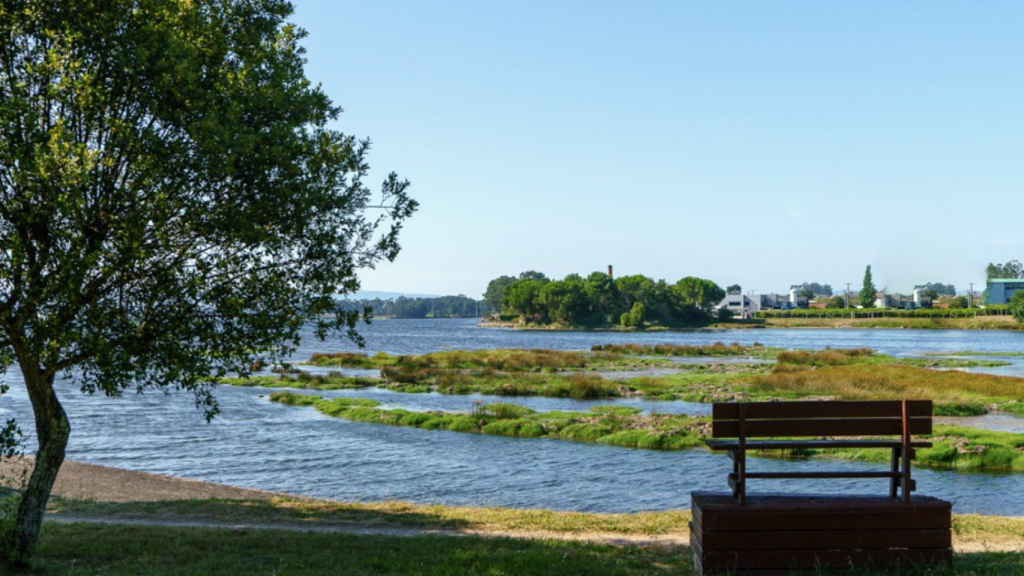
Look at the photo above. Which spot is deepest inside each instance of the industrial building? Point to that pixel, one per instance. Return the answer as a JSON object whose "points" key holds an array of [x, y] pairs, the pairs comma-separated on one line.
{"points": [[1000, 290]]}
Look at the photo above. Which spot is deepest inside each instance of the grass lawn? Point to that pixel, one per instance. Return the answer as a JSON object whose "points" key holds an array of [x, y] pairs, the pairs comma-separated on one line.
{"points": [[89, 549]]}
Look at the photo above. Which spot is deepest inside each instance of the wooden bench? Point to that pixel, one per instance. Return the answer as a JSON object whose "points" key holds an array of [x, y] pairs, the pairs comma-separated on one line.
{"points": [[817, 424], [737, 533]]}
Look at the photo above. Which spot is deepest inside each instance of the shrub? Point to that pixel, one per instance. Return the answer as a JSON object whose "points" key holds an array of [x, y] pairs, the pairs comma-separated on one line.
{"points": [[590, 386], [464, 424]]}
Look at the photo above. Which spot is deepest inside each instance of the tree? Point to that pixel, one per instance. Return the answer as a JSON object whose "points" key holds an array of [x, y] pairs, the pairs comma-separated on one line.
{"points": [[817, 289], [1016, 305], [733, 290], [940, 289], [635, 317], [836, 302], [806, 293], [703, 294], [496, 290], [1012, 269], [174, 205], [958, 302], [867, 292]]}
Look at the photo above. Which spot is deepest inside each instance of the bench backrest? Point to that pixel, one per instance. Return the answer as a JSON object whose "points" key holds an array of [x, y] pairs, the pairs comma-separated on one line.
{"points": [[828, 418]]}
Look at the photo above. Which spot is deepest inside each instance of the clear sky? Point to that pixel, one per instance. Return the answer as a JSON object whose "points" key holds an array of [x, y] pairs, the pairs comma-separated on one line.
{"points": [[755, 143]]}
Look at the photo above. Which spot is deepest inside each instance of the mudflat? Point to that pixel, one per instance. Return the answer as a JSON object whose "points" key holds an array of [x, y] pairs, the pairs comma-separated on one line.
{"points": [[77, 480]]}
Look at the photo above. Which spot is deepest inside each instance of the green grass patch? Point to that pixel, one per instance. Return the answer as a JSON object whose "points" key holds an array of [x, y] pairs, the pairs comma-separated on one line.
{"points": [[329, 381], [604, 424], [134, 550]]}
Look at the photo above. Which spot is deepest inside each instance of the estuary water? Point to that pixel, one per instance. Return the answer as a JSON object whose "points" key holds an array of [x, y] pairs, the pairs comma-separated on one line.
{"points": [[259, 444]]}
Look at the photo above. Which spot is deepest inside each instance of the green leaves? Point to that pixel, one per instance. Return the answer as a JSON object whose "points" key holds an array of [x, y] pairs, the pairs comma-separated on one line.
{"points": [[173, 204]]}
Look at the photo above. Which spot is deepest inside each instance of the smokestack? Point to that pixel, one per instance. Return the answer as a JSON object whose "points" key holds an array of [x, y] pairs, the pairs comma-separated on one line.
{"points": [[609, 270]]}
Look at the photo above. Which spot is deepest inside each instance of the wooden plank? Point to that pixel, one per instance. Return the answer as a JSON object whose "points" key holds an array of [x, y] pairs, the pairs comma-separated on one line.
{"points": [[836, 559], [719, 512], [820, 427], [826, 540], [811, 444], [828, 409], [809, 475]]}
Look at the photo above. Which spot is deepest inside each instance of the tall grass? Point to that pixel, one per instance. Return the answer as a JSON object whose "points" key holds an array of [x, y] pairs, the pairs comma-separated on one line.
{"points": [[827, 357], [887, 381], [716, 349]]}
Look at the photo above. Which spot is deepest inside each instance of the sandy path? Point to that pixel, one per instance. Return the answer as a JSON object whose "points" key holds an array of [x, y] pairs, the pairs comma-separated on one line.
{"points": [[104, 484]]}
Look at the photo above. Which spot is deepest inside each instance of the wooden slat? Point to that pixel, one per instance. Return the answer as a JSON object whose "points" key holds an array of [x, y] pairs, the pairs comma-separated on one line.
{"points": [[719, 512], [830, 409], [842, 559], [810, 475], [811, 444], [820, 427], [826, 540]]}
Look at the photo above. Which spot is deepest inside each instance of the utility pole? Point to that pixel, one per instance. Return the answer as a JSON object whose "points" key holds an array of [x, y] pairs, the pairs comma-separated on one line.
{"points": [[970, 296], [848, 294]]}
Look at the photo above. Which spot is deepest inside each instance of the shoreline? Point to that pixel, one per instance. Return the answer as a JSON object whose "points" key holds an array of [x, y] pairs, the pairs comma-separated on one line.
{"points": [[104, 495]]}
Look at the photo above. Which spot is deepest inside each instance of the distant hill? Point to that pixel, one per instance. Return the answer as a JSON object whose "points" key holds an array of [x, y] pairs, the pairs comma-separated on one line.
{"points": [[375, 294]]}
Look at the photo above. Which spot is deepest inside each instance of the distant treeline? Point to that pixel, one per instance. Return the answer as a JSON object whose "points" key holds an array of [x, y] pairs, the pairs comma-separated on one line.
{"points": [[601, 301], [439, 307]]}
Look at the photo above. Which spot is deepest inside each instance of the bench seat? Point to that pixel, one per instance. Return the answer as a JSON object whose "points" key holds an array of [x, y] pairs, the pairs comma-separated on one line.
{"points": [[810, 444]]}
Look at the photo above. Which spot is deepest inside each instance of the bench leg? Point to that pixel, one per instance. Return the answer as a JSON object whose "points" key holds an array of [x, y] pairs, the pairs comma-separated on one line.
{"points": [[894, 482]]}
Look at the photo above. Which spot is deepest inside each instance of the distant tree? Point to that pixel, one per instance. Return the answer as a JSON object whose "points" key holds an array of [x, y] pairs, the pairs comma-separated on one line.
{"points": [[1016, 304], [632, 289], [734, 289], [958, 302], [930, 293], [523, 297], [836, 302], [703, 294], [806, 293], [867, 292], [635, 317], [817, 289], [940, 289], [724, 314], [496, 290], [1012, 269], [533, 275]]}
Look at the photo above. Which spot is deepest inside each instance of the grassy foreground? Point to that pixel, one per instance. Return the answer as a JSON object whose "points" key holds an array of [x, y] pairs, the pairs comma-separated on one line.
{"points": [[82, 549], [85, 549]]}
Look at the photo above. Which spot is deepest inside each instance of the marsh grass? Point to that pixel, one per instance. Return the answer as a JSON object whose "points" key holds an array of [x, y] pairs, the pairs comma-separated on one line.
{"points": [[844, 356], [953, 392], [716, 349], [608, 425], [330, 381]]}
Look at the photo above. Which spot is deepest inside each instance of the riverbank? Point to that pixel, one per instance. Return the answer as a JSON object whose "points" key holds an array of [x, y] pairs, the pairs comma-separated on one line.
{"points": [[101, 494], [277, 534]]}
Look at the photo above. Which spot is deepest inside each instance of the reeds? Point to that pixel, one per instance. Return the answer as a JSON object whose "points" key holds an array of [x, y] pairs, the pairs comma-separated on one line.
{"points": [[716, 349]]}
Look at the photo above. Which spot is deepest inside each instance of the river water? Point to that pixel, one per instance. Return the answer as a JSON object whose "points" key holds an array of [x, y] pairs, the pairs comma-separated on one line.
{"points": [[259, 444]]}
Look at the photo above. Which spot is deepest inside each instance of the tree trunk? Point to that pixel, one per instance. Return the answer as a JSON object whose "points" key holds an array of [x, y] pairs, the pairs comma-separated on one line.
{"points": [[52, 430]]}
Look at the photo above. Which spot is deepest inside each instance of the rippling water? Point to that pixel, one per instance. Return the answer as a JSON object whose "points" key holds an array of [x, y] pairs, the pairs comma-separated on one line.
{"points": [[259, 444]]}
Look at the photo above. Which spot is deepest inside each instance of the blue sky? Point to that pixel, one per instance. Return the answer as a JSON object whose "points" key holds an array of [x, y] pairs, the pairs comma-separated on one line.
{"points": [[755, 143]]}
